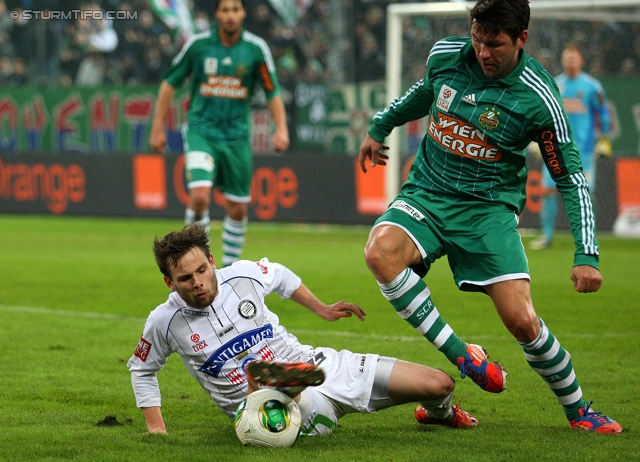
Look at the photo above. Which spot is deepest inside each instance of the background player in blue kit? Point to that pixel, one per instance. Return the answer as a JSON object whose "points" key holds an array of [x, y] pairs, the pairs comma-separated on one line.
{"points": [[585, 104]]}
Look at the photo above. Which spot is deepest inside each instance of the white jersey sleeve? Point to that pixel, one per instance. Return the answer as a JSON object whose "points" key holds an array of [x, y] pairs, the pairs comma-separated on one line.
{"points": [[279, 278], [150, 356]]}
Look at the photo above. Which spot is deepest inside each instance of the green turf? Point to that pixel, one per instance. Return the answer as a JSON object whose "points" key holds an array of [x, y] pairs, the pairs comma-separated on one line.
{"points": [[75, 292]]}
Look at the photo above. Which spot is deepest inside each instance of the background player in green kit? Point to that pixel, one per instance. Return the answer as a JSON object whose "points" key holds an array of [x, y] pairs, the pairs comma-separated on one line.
{"points": [[224, 65], [487, 100]]}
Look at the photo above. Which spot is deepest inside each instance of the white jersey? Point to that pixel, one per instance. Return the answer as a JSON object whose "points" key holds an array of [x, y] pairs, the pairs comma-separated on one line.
{"points": [[216, 343]]}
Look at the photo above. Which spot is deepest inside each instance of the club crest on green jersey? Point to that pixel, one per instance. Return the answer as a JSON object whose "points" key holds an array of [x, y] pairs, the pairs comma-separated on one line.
{"points": [[489, 119], [241, 69]]}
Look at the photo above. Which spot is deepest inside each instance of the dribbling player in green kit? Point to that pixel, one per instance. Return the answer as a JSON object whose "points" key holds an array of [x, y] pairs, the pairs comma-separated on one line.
{"points": [[224, 65], [487, 100]]}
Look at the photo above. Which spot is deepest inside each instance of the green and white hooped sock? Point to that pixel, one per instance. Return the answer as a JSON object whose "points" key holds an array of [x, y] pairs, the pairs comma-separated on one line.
{"points": [[233, 234], [411, 298], [553, 363]]}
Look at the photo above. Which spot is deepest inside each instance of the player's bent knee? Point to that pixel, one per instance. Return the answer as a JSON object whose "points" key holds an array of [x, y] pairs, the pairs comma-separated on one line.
{"points": [[445, 384], [381, 253], [199, 201], [525, 329], [436, 384]]}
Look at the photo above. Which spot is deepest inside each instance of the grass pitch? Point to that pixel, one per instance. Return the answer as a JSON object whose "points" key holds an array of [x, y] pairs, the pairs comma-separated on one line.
{"points": [[75, 293]]}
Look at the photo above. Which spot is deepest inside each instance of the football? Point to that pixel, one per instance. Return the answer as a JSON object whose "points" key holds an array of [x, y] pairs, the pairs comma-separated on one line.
{"points": [[268, 418]]}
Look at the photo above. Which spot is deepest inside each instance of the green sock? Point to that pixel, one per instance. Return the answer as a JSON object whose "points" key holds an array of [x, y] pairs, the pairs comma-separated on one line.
{"points": [[233, 233]]}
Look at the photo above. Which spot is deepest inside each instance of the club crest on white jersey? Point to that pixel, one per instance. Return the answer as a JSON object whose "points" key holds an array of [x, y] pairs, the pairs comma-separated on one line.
{"points": [[445, 97], [247, 309]]}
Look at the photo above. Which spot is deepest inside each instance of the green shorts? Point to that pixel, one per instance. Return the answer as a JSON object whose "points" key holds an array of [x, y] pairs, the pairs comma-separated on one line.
{"points": [[227, 166], [480, 239]]}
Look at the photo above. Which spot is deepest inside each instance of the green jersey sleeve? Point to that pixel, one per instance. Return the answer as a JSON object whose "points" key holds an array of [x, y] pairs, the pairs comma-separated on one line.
{"points": [[560, 154], [265, 68], [182, 65], [413, 105]]}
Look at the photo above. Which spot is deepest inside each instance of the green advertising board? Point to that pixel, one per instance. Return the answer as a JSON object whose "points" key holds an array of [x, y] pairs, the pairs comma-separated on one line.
{"points": [[329, 119]]}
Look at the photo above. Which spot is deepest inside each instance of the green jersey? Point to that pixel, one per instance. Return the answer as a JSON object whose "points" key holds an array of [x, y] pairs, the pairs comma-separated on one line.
{"points": [[478, 131], [222, 81]]}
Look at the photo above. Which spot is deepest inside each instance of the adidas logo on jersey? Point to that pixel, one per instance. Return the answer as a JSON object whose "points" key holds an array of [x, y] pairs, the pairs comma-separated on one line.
{"points": [[227, 61], [471, 99]]}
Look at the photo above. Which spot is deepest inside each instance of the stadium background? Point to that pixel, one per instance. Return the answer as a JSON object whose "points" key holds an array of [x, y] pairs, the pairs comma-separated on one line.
{"points": [[76, 104]]}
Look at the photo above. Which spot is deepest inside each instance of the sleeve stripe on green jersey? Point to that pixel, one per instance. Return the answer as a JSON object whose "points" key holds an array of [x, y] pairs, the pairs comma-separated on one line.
{"points": [[586, 214], [253, 38], [445, 47], [187, 45], [533, 81], [399, 100]]}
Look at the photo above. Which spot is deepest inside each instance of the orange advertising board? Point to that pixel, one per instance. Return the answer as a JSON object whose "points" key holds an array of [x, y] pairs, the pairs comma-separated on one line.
{"points": [[149, 182], [628, 180]]}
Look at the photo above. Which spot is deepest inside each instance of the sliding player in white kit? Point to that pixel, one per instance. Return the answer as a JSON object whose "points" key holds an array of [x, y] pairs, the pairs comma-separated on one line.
{"points": [[218, 322]]}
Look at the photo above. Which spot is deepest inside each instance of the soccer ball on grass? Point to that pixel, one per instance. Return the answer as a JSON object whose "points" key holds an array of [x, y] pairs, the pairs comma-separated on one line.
{"points": [[268, 418]]}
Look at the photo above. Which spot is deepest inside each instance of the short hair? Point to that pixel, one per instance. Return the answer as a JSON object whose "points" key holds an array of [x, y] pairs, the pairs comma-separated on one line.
{"points": [[571, 46], [216, 4], [175, 244], [496, 16]]}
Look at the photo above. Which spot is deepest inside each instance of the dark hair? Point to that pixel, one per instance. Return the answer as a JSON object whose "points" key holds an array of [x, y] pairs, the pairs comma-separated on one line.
{"points": [[496, 16], [174, 245], [216, 4]]}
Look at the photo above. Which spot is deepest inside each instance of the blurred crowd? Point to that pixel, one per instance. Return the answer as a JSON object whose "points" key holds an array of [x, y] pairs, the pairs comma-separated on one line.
{"points": [[88, 52], [610, 48]]}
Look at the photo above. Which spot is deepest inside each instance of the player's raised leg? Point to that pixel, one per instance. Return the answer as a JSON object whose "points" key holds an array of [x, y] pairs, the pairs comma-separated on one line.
{"points": [[282, 374], [389, 253], [291, 378]]}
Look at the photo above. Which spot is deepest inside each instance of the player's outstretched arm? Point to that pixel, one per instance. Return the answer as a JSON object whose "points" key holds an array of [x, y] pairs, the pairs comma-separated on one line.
{"points": [[154, 420], [281, 135], [372, 150], [303, 296], [586, 278]]}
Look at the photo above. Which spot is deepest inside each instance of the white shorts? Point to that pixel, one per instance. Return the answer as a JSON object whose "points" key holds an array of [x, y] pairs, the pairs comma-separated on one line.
{"points": [[354, 382]]}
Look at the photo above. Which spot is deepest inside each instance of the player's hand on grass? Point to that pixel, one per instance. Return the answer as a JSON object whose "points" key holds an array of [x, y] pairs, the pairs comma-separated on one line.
{"points": [[342, 310], [586, 279], [372, 150], [603, 147]]}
